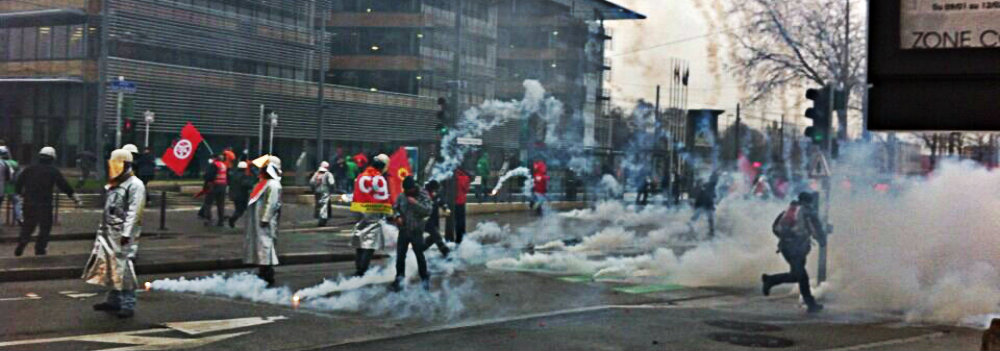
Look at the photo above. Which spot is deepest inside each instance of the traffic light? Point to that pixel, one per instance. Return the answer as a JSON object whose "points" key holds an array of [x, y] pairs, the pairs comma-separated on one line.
{"points": [[821, 113], [128, 131], [442, 116]]}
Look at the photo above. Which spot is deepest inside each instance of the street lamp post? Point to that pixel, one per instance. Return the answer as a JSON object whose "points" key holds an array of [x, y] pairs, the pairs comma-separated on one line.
{"points": [[118, 115], [274, 123], [150, 117]]}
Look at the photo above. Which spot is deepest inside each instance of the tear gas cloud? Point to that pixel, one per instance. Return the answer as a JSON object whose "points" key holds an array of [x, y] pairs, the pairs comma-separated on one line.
{"points": [[491, 114], [925, 252]]}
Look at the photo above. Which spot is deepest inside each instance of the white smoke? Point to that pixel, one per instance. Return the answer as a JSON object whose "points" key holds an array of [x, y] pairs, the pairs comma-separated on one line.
{"points": [[516, 172], [491, 114], [924, 252]]}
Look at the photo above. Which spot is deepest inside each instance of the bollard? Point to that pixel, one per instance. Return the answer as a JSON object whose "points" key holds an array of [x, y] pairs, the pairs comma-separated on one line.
{"points": [[163, 210]]}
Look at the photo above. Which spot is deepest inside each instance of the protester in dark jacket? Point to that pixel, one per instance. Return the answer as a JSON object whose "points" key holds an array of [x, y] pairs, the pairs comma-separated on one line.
{"points": [[796, 227], [433, 226], [35, 185], [146, 166], [411, 210], [241, 182], [216, 182]]}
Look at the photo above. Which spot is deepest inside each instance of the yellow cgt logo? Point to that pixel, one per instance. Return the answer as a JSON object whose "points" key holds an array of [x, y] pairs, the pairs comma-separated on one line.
{"points": [[402, 173]]}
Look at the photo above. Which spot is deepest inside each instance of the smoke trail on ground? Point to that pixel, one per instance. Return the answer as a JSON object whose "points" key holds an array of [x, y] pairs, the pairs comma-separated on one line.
{"points": [[923, 252]]}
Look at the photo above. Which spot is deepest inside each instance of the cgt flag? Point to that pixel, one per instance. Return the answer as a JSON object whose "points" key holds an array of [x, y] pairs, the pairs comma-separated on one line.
{"points": [[180, 154], [399, 169]]}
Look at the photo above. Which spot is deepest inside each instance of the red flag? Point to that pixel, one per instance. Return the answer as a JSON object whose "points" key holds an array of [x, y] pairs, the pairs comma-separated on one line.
{"points": [[178, 156], [399, 169]]}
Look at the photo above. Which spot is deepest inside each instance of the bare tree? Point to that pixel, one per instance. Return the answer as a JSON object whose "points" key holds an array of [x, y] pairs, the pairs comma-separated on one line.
{"points": [[794, 43]]}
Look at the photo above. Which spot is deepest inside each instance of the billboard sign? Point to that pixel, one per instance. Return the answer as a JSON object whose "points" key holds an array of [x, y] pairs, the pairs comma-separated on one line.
{"points": [[932, 65], [934, 24]]}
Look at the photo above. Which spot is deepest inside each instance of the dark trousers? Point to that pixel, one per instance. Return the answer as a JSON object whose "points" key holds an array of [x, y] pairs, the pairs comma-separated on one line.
{"points": [[266, 273], [435, 238], [40, 216], [241, 207], [216, 195], [362, 260], [797, 261], [145, 178], [643, 197], [415, 238], [459, 223]]}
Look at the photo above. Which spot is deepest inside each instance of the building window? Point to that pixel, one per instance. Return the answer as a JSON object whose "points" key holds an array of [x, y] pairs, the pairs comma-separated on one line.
{"points": [[44, 43], [29, 42], [75, 41], [60, 40], [15, 47], [3, 44]]}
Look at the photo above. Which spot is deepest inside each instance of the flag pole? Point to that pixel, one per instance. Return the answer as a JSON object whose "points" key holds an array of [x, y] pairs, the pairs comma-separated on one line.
{"points": [[208, 146]]}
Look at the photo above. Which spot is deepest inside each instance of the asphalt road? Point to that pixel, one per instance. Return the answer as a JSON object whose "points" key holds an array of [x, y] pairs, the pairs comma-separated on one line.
{"points": [[500, 311]]}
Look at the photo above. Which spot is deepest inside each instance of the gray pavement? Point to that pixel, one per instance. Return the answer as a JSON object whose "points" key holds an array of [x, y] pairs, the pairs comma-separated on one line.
{"points": [[488, 310], [507, 310]]}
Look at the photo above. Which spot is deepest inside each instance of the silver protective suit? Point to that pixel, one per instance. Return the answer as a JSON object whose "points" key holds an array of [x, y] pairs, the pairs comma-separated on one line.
{"points": [[323, 185], [110, 264], [368, 232], [262, 227]]}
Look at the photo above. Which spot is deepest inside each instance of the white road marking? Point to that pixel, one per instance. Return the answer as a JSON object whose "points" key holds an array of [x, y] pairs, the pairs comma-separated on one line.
{"points": [[28, 296], [203, 327], [139, 341], [892, 342]]}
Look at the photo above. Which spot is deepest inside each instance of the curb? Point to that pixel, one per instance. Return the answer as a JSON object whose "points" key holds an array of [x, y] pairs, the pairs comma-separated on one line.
{"points": [[7, 239], [53, 273]]}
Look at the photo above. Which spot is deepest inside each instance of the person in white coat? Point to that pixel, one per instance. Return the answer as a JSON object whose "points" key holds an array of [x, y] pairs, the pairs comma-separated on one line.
{"points": [[262, 222], [111, 265], [322, 183]]}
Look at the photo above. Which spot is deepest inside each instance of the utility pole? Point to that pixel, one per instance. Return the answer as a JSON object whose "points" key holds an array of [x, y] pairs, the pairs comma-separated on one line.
{"points": [[656, 114], [102, 88], [260, 132], [781, 140], [736, 136], [118, 115], [321, 82], [845, 67], [149, 117], [451, 186]]}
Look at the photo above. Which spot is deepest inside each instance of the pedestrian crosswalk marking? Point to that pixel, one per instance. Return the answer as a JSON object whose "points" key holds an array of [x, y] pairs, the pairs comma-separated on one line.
{"points": [[139, 339]]}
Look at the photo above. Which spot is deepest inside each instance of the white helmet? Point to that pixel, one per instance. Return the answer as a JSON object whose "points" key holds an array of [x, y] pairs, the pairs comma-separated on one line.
{"points": [[324, 166], [131, 148], [242, 165], [385, 161], [48, 151], [274, 167]]}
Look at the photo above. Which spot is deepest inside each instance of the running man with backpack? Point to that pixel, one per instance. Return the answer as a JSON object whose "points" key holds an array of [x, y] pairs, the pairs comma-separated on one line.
{"points": [[796, 227]]}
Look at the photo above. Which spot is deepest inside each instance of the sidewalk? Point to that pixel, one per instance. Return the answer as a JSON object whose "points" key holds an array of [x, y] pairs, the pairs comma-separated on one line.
{"points": [[188, 245]]}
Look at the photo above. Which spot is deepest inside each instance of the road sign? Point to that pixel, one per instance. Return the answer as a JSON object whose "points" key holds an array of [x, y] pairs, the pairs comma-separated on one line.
{"points": [[819, 168], [123, 86], [470, 141]]}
